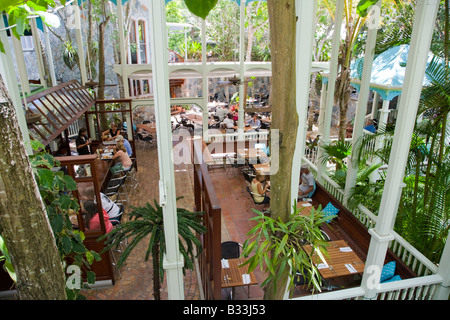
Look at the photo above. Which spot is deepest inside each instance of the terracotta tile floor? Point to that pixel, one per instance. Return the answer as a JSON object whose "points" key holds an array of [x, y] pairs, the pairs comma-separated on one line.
{"points": [[135, 281]]}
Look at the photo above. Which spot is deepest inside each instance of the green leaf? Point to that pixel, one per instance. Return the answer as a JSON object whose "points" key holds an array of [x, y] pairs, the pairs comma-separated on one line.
{"points": [[66, 244], [90, 277], [45, 177], [57, 223], [363, 6], [200, 8], [78, 247]]}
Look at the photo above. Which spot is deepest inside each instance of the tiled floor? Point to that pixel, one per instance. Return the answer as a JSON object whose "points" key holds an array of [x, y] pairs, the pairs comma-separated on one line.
{"points": [[135, 281]]}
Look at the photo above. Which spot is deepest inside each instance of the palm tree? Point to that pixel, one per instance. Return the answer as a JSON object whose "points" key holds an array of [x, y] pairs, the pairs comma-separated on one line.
{"points": [[149, 221], [336, 151]]}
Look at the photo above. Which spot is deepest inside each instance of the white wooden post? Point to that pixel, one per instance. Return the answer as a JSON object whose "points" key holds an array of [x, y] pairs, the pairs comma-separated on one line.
{"points": [[361, 109], [9, 78], [443, 290], [205, 95], [21, 66], [328, 107], [305, 30], [173, 260], [424, 22], [122, 48], [51, 65], [374, 105], [38, 51], [80, 46], [242, 99]]}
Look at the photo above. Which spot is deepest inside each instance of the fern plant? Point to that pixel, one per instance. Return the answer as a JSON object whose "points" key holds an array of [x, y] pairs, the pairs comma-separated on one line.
{"points": [[147, 222]]}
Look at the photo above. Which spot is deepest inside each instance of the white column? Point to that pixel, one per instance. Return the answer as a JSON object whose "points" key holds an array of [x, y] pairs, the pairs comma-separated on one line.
{"points": [[80, 46], [9, 78], [328, 108], [374, 105], [443, 290], [305, 30], [38, 51], [242, 99], [173, 260], [361, 109], [205, 94], [51, 65], [122, 48], [21, 66], [424, 22]]}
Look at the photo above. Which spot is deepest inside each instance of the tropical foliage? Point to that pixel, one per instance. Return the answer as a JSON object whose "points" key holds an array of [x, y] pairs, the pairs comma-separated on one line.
{"points": [[55, 188], [276, 247], [148, 222]]}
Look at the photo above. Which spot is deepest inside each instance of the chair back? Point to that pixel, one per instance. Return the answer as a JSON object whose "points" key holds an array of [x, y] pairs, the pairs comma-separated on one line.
{"points": [[230, 250]]}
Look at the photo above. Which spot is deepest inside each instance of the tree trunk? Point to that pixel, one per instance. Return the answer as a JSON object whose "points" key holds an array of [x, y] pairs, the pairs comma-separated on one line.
{"points": [[24, 223], [156, 275], [282, 21]]}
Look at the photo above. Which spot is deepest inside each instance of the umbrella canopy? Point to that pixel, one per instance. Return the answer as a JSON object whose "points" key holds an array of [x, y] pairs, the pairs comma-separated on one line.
{"points": [[388, 72]]}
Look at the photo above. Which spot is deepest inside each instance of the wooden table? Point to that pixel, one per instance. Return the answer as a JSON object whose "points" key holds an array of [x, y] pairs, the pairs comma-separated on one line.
{"points": [[334, 265], [304, 207], [232, 276], [149, 127], [262, 168]]}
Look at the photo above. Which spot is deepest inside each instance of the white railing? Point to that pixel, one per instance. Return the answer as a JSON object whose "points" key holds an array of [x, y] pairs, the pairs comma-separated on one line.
{"points": [[421, 288], [422, 266], [261, 135], [73, 129]]}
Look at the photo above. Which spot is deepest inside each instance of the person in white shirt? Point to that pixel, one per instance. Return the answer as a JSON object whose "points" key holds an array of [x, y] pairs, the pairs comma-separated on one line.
{"points": [[110, 207], [221, 112], [307, 184], [228, 122]]}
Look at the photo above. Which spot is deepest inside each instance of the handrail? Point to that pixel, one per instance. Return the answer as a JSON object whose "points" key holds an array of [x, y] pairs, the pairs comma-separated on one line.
{"points": [[206, 201], [415, 288]]}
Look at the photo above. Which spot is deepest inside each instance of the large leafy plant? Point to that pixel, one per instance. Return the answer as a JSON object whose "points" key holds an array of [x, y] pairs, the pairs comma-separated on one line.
{"points": [[149, 221], [55, 188], [276, 246]]}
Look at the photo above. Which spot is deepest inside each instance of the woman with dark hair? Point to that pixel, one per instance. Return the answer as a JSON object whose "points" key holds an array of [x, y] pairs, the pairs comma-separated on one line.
{"points": [[83, 142], [92, 221]]}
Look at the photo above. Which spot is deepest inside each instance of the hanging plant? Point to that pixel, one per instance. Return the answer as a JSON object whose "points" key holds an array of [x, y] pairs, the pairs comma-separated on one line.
{"points": [[70, 55]]}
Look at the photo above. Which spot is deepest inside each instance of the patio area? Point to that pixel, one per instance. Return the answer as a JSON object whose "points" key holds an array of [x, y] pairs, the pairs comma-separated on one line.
{"points": [[135, 279]]}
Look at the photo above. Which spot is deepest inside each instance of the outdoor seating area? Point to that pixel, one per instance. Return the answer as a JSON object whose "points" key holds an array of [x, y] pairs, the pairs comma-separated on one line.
{"points": [[164, 150]]}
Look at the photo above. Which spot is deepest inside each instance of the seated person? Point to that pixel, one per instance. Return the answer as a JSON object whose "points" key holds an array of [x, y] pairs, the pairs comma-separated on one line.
{"points": [[111, 208], [228, 123], [121, 154], [370, 126], [259, 192], [126, 144], [93, 219], [221, 112], [307, 184], [254, 121], [111, 133]]}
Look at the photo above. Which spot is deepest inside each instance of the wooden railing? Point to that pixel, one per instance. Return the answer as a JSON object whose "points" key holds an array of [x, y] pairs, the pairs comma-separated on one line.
{"points": [[206, 201]]}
